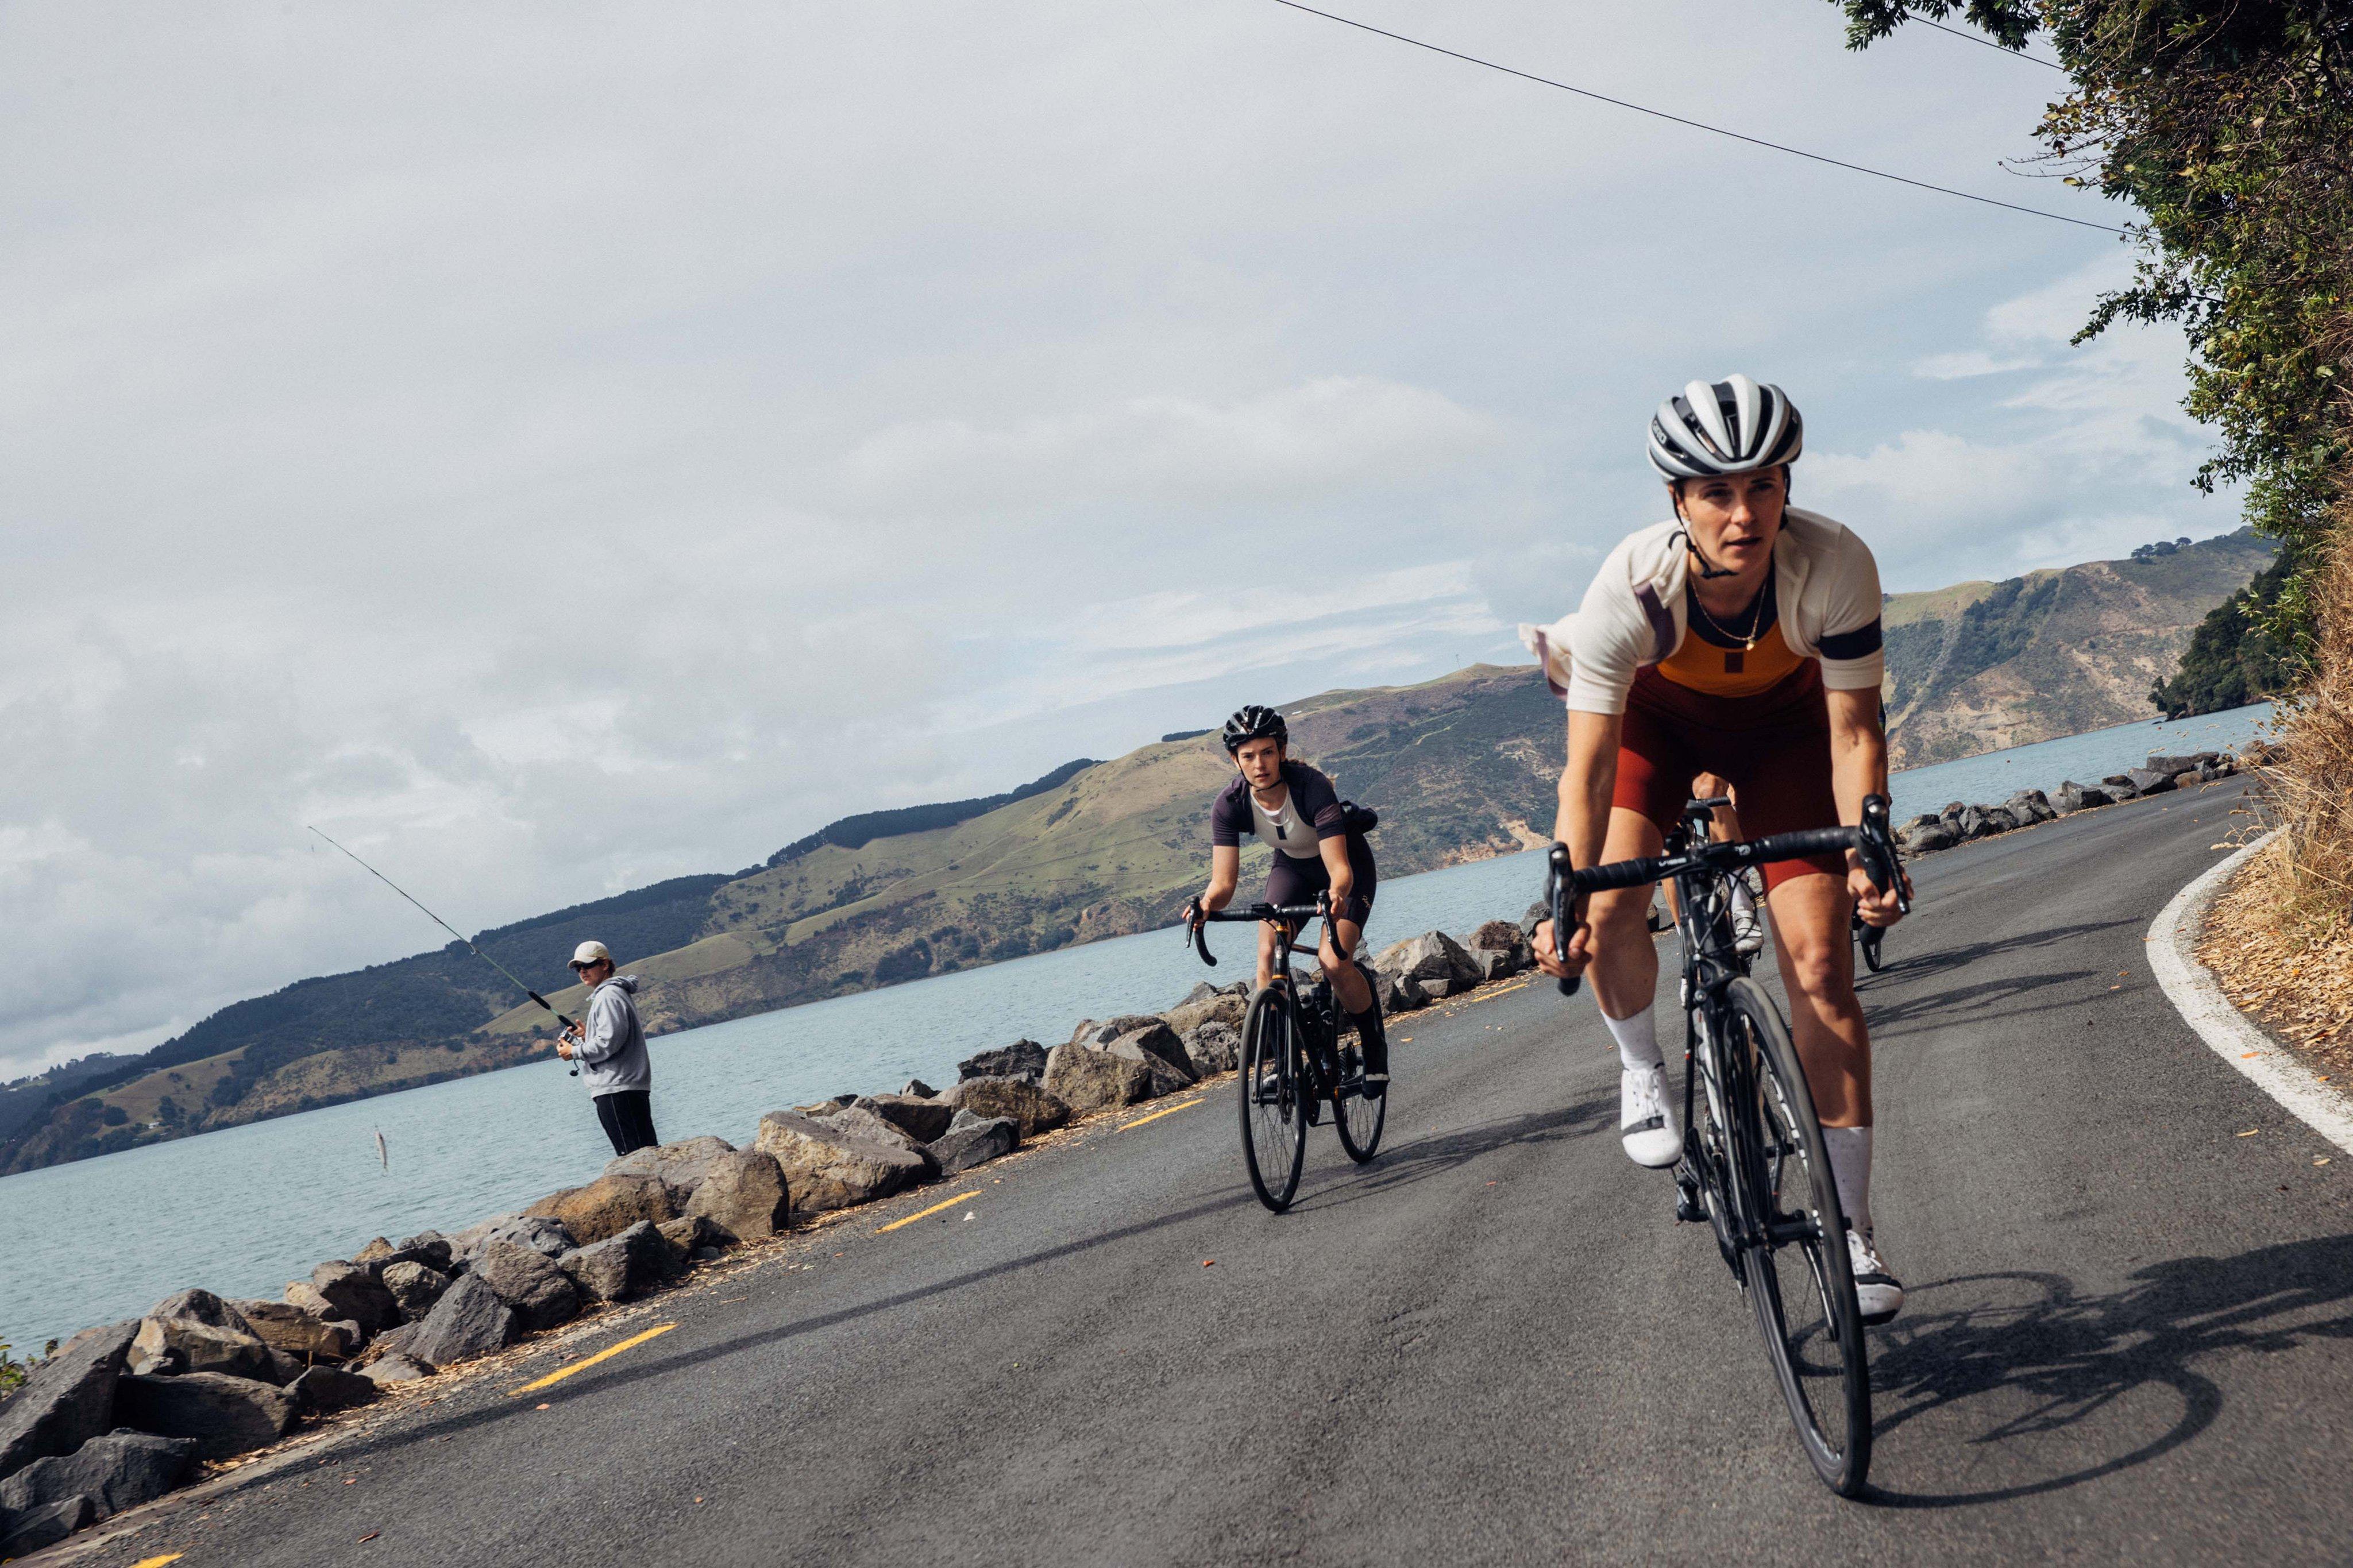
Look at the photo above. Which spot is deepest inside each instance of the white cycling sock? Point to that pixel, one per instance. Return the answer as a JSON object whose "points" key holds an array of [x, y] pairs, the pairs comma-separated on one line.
{"points": [[1638, 1040], [1741, 902], [1850, 1151]]}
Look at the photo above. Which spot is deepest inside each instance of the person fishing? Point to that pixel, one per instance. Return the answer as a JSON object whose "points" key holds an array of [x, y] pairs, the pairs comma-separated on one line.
{"points": [[610, 1049]]}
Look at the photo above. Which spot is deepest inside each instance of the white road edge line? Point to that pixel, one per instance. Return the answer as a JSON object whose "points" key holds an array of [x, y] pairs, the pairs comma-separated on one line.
{"points": [[2194, 991]]}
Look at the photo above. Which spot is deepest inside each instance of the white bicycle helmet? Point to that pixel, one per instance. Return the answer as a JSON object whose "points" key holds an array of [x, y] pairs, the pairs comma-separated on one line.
{"points": [[1730, 426]]}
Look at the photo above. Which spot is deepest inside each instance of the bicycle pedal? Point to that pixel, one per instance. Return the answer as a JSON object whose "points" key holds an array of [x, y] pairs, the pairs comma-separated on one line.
{"points": [[1687, 1205]]}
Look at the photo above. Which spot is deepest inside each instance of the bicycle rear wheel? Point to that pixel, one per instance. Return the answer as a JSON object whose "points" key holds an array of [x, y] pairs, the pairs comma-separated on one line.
{"points": [[1357, 1120], [1273, 1106], [1799, 1280]]}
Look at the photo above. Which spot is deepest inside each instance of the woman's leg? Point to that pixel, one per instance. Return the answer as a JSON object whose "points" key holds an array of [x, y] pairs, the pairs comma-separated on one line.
{"points": [[1810, 939]]}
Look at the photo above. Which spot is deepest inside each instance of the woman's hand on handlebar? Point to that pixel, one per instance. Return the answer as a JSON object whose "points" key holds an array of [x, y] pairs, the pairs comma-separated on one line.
{"points": [[1568, 965], [1872, 907], [1194, 915]]}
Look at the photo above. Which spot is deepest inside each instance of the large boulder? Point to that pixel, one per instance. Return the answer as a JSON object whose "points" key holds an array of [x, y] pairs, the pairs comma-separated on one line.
{"points": [[830, 1167], [323, 1390], [1431, 960], [2120, 787], [529, 1281], [1022, 1059], [226, 1415], [543, 1235], [68, 1399], [1928, 840], [469, 1320], [416, 1286], [202, 1307], [23, 1534], [1031, 1106], [857, 1121], [2071, 797], [169, 1346], [430, 1249], [745, 1194], [2181, 762], [693, 1237], [2030, 806], [1214, 1047], [679, 1166], [1154, 1040], [607, 1206], [353, 1292], [282, 1326], [972, 1141], [1972, 823], [2149, 781], [1103, 1032], [1217, 1007], [1397, 995], [921, 1120], [1505, 939], [118, 1470], [1089, 1081], [626, 1265]]}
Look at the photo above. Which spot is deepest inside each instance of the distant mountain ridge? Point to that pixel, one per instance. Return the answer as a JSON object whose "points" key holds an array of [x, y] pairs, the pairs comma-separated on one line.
{"points": [[1460, 768]]}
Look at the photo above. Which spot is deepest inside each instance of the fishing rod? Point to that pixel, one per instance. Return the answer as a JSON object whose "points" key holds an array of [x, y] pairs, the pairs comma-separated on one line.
{"points": [[568, 1025]]}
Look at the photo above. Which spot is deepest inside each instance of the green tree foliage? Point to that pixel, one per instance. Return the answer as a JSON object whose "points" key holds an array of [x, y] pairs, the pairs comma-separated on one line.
{"points": [[2232, 658], [2229, 123]]}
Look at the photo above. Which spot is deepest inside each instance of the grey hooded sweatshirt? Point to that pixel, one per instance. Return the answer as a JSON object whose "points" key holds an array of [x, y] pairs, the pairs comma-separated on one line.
{"points": [[612, 1057]]}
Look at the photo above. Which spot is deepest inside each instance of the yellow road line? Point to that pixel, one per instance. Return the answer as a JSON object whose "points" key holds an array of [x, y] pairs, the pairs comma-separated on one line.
{"points": [[1156, 1115], [935, 1208], [607, 1353], [159, 1561]]}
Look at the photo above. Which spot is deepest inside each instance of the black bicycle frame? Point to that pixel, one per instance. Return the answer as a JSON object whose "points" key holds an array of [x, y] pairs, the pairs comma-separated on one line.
{"points": [[1307, 1022]]}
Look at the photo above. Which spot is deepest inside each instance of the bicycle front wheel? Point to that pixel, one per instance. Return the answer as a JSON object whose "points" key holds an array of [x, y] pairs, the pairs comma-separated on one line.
{"points": [[1869, 941], [1273, 1100], [1799, 1280]]}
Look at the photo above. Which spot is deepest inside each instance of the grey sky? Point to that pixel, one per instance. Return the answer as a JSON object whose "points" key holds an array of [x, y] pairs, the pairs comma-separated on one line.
{"points": [[555, 449]]}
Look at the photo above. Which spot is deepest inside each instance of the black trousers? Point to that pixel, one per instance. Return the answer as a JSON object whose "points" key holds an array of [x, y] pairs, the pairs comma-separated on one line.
{"points": [[628, 1118]]}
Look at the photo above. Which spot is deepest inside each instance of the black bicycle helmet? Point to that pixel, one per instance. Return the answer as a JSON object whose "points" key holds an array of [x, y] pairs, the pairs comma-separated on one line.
{"points": [[1732, 426], [1255, 724]]}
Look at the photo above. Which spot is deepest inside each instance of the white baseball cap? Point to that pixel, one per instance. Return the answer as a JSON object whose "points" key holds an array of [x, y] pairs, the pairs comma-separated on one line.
{"points": [[590, 952]]}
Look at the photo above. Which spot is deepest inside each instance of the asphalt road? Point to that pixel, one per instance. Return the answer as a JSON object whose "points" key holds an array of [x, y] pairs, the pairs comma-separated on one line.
{"points": [[2126, 1338]]}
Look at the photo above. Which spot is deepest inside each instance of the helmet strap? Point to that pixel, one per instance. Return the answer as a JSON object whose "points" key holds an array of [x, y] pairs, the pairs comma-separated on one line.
{"points": [[1708, 570]]}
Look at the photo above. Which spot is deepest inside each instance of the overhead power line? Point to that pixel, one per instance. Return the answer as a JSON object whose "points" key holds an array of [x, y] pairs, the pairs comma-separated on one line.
{"points": [[1988, 43], [1699, 125]]}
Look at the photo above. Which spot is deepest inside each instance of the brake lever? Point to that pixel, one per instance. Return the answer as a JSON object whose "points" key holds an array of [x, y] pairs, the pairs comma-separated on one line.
{"points": [[1554, 883], [1196, 936]]}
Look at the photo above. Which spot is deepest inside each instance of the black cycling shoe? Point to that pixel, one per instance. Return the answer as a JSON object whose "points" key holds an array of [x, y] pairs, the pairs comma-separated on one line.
{"points": [[1374, 1042]]}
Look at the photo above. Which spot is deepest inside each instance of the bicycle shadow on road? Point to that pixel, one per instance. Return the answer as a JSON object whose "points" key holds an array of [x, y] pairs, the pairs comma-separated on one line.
{"points": [[2030, 1375], [1434, 1155]]}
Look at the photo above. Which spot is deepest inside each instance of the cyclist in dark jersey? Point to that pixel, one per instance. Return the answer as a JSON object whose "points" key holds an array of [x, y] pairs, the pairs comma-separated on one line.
{"points": [[1294, 811]]}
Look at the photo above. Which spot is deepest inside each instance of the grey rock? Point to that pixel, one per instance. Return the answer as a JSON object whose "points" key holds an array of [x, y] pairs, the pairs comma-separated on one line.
{"points": [[624, 1266], [416, 1286], [745, 1196], [608, 1206], [1214, 1047], [396, 1368], [2191, 778], [2149, 781], [2000, 819], [690, 1236], [973, 1140], [1398, 995], [170, 1345], [916, 1089], [2121, 788], [30, 1531], [2184, 762], [681, 1167], [1028, 1103], [323, 1390], [469, 1320], [2030, 806], [1155, 1039], [857, 1122], [1089, 1081], [529, 1281], [1928, 840], [202, 1307], [921, 1120], [226, 1415], [829, 1167], [1972, 823], [543, 1235], [1429, 959], [1913, 824], [282, 1326], [429, 1249], [1535, 915], [1022, 1059], [351, 1291], [120, 1469], [68, 1399]]}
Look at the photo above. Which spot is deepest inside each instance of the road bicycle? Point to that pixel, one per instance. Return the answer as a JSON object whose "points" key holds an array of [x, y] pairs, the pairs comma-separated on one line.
{"points": [[1293, 1063], [1754, 1164]]}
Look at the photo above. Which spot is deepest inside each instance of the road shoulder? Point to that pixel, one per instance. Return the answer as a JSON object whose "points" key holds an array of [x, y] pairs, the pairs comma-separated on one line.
{"points": [[2198, 995]]}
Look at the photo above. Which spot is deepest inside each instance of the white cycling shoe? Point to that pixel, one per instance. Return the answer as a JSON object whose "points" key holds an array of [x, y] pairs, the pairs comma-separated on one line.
{"points": [[1646, 1121], [1877, 1293]]}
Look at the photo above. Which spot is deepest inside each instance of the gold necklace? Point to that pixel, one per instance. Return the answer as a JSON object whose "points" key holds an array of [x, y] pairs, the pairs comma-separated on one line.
{"points": [[1755, 619]]}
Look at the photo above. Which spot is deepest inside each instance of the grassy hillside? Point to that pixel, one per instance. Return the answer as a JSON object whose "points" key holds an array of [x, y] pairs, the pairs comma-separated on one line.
{"points": [[1460, 768]]}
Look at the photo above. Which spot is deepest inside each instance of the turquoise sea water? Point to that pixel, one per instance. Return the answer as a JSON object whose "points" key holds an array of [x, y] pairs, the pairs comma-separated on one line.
{"points": [[242, 1211]]}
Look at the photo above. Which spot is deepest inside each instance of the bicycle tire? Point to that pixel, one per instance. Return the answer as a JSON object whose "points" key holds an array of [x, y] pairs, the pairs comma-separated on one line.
{"points": [[1868, 939], [1800, 1284], [1357, 1120], [1273, 1109]]}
